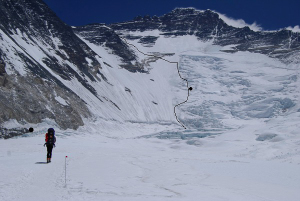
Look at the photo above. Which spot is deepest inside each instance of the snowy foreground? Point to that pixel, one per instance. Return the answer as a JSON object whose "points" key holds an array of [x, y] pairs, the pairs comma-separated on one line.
{"points": [[111, 161]]}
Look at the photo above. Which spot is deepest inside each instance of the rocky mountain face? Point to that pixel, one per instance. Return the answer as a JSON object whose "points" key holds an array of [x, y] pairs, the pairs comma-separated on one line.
{"points": [[49, 70], [33, 39]]}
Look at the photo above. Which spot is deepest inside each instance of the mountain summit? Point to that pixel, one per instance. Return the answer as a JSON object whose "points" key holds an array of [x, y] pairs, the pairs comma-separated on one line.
{"points": [[208, 25]]}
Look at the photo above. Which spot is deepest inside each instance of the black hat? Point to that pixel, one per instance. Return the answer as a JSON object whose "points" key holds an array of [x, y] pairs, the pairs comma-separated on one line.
{"points": [[51, 131]]}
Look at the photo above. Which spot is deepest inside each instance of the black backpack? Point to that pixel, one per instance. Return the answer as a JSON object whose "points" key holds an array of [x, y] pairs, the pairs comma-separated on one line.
{"points": [[51, 136]]}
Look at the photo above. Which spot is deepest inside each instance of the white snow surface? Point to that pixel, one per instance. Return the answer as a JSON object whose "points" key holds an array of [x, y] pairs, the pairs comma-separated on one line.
{"points": [[242, 141], [61, 100]]}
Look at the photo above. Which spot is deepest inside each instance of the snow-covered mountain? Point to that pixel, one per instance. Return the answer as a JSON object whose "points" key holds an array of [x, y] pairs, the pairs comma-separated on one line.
{"points": [[127, 72], [118, 84]]}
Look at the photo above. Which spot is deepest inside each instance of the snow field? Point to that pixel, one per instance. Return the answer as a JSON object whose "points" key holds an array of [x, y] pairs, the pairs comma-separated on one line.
{"points": [[231, 166]]}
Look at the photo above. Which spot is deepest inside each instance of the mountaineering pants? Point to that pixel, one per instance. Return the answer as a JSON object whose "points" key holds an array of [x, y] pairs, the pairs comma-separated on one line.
{"points": [[49, 150]]}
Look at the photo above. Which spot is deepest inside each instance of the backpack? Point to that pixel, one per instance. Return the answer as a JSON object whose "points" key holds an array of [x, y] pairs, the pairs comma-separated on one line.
{"points": [[50, 137]]}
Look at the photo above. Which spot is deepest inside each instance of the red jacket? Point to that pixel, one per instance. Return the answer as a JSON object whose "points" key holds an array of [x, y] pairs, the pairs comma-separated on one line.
{"points": [[47, 138]]}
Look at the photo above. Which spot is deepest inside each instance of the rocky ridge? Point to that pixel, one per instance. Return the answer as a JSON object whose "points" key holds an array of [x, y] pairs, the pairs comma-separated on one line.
{"points": [[208, 25]]}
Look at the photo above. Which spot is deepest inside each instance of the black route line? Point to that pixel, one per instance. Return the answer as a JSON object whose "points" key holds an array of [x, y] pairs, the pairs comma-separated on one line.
{"points": [[172, 62]]}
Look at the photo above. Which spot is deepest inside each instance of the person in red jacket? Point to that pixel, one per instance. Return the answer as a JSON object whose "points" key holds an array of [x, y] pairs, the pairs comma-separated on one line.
{"points": [[50, 140]]}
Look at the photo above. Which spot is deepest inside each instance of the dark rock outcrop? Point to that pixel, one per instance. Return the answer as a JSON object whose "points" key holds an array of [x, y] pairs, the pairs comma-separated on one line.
{"points": [[9, 133], [102, 35]]}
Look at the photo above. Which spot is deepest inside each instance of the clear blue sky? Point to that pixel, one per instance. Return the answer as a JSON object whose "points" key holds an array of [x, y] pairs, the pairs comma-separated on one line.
{"points": [[269, 14]]}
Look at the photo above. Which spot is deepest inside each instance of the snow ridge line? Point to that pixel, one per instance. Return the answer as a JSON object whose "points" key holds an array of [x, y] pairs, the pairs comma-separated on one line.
{"points": [[173, 62]]}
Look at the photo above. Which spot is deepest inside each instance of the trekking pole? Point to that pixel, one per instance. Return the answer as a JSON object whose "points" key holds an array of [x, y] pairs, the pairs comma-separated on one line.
{"points": [[66, 170]]}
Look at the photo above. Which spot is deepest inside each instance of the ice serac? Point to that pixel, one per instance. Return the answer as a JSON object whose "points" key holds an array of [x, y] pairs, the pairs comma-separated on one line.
{"points": [[40, 54]]}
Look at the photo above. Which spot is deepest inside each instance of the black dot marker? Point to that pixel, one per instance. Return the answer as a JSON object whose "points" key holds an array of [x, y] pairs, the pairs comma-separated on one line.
{"points": [[191, 88]]}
